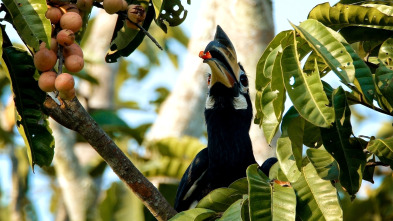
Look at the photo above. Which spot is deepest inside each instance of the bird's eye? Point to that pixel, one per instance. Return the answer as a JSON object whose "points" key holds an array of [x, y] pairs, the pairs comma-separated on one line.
{"points": [[208, 79], [244, 80]]}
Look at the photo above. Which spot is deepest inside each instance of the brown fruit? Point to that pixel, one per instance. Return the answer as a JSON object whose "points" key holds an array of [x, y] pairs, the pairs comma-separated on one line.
{"points": [[53, 45], [74, 63], [53, 14], [112, 6], [46, 82], [125, 5], [136, 13], [73, 49], [71, 21], [67, 95], [45, 59], [65, 37], [84, 5], [64, 82]]}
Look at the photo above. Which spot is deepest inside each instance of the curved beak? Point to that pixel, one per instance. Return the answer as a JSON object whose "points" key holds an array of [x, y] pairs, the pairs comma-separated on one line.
{"points": [[220, 55]]}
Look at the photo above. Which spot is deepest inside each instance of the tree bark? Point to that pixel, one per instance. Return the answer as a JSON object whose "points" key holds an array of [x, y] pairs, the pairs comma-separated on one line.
{"points": [[249, 25]]}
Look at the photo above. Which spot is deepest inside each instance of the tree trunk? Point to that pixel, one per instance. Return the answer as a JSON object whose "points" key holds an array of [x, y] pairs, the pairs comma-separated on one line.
{"points": [[249, 25]]}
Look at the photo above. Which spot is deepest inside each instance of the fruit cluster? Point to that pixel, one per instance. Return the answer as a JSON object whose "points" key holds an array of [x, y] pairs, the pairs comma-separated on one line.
{"points": [[67, 20]]}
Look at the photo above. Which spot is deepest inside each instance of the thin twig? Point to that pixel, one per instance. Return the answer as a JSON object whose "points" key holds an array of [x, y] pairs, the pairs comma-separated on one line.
{"points": [[371, 107], [123, 15]]}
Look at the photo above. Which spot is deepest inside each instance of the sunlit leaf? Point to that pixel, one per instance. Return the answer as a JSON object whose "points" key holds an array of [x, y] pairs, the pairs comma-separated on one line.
{"points": [[240, 185], [305, 91], [28, 17], [186, 147], [317, 199], [336, 140], [341, 15], [329, 48], [383, 149], [197, 214], [233, 212], [284, 203], [324, 163], [384, 82], [260, 192], [31, 122], [286, 159], [220, 199]]}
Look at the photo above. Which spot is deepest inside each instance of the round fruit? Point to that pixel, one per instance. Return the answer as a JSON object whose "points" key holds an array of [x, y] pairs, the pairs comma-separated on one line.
{"points": [[72, 21], [84, 4], [53, 45], [53, 14], [65, 37], [67, 95], [47, 81], [125, 6], [73, 49], [74, 63], [45, 59], [136, 13], [112, 6], [64, 82]]}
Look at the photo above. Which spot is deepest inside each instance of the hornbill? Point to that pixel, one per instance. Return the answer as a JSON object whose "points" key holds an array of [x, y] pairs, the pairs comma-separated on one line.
{"points": [[228, 115]]}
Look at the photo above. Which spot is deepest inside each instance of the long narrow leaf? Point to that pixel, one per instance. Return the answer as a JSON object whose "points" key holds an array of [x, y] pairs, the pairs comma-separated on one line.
{"points": [[317, 199], [29, 19], [286, 159], [384, 82], [305, 91], [342, 15], [284, 203], [260, 192], [196, 214], [336, 140], [31, 122], [324, 163]]}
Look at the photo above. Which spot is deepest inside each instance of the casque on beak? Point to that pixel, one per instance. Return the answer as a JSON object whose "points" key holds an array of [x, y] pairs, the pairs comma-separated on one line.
{"points": [[220, 55]]}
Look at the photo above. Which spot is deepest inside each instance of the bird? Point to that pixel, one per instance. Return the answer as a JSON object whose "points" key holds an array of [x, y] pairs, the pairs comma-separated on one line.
{"points": [[228, 116]]}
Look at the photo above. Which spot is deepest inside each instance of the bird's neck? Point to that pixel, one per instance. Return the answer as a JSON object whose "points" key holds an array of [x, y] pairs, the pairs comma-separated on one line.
{"points": [[229, 143]]}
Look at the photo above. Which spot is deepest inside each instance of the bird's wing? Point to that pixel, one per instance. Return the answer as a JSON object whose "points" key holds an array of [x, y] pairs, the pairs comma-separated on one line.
{"points": [[191, 182]]}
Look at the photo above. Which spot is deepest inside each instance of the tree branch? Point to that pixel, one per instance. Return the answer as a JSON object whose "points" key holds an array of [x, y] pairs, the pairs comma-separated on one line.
{"points": [[369, 106], [72, 115], [373, 164]]}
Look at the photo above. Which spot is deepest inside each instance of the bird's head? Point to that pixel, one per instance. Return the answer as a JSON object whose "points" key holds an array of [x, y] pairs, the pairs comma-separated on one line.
{"points": [[227, 82]]}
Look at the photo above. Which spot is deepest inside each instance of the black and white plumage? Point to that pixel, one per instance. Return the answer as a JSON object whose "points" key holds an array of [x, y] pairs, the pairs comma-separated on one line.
{"points": [[228, 115]]}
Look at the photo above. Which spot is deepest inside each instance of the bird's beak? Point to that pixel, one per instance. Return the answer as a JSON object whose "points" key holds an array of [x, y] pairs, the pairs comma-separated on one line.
{"points": [[220, 55]]}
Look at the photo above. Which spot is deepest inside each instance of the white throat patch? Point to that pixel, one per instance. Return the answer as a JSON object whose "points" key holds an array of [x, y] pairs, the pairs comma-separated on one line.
{"points": [[239, 103]]}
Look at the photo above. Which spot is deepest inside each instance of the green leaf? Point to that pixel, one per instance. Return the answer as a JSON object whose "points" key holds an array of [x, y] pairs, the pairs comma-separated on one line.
{"points": [[287, 160], [341, 15], [329, 48], [336, 140], [196, 214], [383, 149], [305, 91], [31, 122], [324, 163], [28, 17], [233, 212], [127, 40], [165, 166], [169, 11], [240, 185], [284, 203], [384, 82], [220, 199], [260, 192], [309, 66], [317, 199], [385, 53]]}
